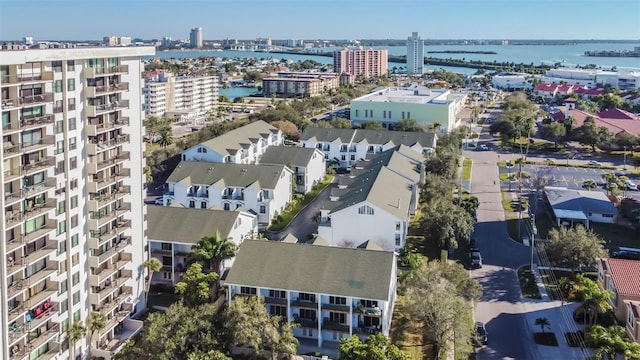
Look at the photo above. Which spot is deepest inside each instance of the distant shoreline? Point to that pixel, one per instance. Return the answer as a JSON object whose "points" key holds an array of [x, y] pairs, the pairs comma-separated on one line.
{"points": [[462, 52]]}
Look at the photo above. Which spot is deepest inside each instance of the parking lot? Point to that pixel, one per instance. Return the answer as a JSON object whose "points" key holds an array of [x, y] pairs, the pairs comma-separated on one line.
{"points": [[570, 177]]}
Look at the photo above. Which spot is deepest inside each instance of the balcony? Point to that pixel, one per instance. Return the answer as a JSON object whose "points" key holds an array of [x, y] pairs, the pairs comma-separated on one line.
{"points": [[13, 125], [33, 100], [100, 183], [101, 275], [93, 72], [96, 297], [335, 307], [109, 347], [17, 287], [124, 276], [14, 79], [94, 168], [15, 264], [226, 197], [96, 260], [32, 210], [94, 128], [12, 218], [38, 165], [334, 326], [36, 121], [96, 201], [94, 147], [43, 295], [37, 320], [95, 110], [10, 149], [123, 260], [305, 304], [275, 301], [93, 91], [48, 227], [44, 334], [46, 141], [306, 323], [50, 247], [38, 188], [51, 268], [16, 312], [368, 311]]}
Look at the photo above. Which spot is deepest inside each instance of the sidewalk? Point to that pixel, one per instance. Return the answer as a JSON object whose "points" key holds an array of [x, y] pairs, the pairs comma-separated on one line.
{"points": [[560, 316]]}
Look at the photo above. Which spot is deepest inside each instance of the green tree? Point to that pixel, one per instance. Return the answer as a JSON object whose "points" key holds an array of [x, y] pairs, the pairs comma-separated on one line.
{"points": [[610, 341], [443, 164], [554, 132], [195, 286], [154, 125], [213, 250], [289, 129], [75, 332], [211, 355], [446, 224], [626, 140], [590, 135], [543, 322], [407, 125], [372, 125], [377, 347], [166, 138], [574, 248], [152, 265], [588, 106], [249, 325], [96, 322]]}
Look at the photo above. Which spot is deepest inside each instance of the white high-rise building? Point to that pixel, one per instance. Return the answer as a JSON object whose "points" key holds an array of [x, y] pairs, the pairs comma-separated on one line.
{"points": [[27, 40], [167, 95], [195, 38], [415, 54], [73, 219]]}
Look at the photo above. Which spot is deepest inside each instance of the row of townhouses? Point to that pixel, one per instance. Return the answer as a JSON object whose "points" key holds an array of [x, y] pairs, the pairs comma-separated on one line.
{"points": [[73, 216]]}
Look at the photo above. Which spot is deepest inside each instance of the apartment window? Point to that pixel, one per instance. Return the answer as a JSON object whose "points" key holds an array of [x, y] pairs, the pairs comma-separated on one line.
{"points": [[389, 114], [166, 246], [62, 207], [59, 127], [343, 147], [72, 185], [245, 290], [203, 205], [277, 310], [226, 206], [75, 279], [57, 86], [353, 157], [339, 318], [72, 121], [70, 65], [73, 163], [370, 113], [166, 275], [307, 314], [343, 157], [62, 227], [59, 147], [63, 287], [62, 268], [263, 209], [76, 298], [62, 247], [277, 294], [74, 201], [58, 106], [371, 149], [307, 297], [403, 115], [192, 204], [72, 143], [408, 115], [76, 315], [56, 66], [397, 240], [365, 210], [384, 114], [71, 84], [366, 113], [369, 303], [337, 300], [64, 306], [74, 240], [74, 221], [75, 259]]}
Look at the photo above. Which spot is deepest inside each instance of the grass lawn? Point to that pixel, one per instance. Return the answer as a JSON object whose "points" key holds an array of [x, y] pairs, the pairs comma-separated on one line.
{"points": [[291, 212], [548, 339], [418, 244], [504, 177], [466, 169], [551, 279], [406, 334], [616, 235], [528, 283]]}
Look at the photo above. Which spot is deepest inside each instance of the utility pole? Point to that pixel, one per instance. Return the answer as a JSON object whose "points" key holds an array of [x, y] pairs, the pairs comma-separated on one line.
{"points": [[624, 167]]}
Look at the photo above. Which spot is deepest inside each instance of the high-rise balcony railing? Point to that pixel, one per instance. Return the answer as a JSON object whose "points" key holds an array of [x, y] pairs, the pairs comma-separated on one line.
{"points": [[15, 79], [95, 110], [93, 91], [94, 128], [93, 72]]}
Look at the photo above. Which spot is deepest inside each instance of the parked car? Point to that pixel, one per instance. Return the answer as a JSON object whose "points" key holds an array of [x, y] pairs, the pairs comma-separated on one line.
{"points": [[594, 163], [475, 259], [483, 147], [481, 333], [631, 185], [159, 201], [626, 254]]}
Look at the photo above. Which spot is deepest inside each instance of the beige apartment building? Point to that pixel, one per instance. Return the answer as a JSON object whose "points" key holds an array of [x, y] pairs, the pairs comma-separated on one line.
{"points": [[179, 97], [361, 63], [73, 219], [300, 84]]}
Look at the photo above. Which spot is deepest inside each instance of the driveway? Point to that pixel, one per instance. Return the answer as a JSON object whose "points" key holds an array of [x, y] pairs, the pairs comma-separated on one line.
{"points": [[303, 225]]}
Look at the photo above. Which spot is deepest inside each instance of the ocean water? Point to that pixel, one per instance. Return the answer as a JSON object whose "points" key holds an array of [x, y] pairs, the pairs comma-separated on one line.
{"points": [[568, 55], [235, 92]]}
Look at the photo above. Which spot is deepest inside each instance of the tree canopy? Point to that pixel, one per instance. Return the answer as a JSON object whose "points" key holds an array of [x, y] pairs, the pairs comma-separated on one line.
{"points": [[195, 286], [574, 248], [377, 347]]}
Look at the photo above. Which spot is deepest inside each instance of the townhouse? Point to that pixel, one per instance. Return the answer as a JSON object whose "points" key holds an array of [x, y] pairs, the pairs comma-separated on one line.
{"points": [[333, 293], [632, 324], [264, 190], [620, 276], [173, 231], [308, 164], [244, 145], [374, 204], [343, 147]]}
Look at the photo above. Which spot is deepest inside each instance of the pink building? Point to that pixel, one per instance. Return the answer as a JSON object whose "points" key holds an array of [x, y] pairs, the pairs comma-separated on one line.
{"points": [[365, 63]]}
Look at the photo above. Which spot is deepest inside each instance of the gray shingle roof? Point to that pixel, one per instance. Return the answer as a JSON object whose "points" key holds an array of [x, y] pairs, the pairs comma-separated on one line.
{"points": [[310, 268], [579, 200], [287, 155], [237, 175], [370, 136], [186, 225], [228, 143]]}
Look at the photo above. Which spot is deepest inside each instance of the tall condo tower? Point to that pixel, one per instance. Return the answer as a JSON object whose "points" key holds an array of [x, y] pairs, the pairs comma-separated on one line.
{"points": [[415, 54], [73, 219], [195, 38]]}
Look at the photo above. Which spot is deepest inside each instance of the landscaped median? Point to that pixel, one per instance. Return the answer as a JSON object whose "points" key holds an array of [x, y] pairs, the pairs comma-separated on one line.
{"points": [[283, 220], [528, 283], [466, 169]]}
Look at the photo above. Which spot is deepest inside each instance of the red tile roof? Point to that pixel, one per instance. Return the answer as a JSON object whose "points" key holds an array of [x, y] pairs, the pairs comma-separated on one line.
{"points": [[589, 92], [557, 116], [618, 114], [546, 87], [616, 120], [625, 275]]}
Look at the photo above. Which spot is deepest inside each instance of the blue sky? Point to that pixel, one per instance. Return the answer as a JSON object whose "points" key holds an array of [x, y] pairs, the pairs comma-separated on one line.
{"points": [[327, 19]]}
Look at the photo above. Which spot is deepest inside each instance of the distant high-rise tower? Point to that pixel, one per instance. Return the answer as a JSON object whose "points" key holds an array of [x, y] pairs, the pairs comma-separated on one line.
{"points": [[365, 63], [415, 54], [195, 38]]}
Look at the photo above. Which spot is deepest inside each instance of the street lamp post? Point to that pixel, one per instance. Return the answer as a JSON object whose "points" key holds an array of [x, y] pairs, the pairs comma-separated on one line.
{"points": [[624, 167]]}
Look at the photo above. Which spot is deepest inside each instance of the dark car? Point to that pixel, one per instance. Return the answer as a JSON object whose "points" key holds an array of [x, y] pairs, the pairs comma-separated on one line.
{"points": [[626, 254], [475, 259], [473, 243], [481, 334]]}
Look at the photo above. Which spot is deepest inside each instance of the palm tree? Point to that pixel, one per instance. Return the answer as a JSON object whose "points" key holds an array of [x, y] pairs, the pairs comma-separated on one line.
{"points": [[151, 265], [166, 138], [436, 125], [543, 322], [214, 249], [75, 332], [520, 161], [597, 302], [95, 323]]}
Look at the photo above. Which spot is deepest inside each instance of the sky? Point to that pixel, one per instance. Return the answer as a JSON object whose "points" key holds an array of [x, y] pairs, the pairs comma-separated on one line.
{"points": [[315, 19]]}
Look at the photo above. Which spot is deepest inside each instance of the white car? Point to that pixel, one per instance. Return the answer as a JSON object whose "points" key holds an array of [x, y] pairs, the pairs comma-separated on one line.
{"points": [[159, 201], [631, 185], [594, 163]]}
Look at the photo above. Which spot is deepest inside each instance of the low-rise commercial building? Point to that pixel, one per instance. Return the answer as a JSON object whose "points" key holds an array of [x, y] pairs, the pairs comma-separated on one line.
{"points": [[333, 293], [435, 108], [622, 80]]}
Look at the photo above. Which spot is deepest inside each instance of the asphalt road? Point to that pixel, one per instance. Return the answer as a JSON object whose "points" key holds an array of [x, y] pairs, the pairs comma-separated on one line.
{"points": [[501, 307]]}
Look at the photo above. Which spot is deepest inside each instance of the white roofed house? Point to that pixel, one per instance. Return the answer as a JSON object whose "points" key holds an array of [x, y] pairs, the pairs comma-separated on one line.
{"points": [[343, 147], [173, 231], [570, 207], [263, 190], [332, 292], [244, 145], [308, 164], [374, 205]]}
